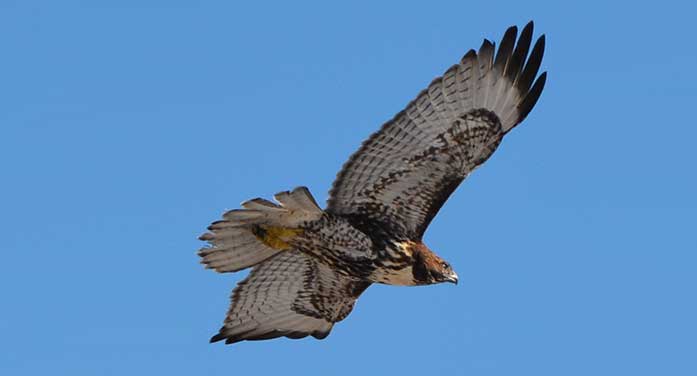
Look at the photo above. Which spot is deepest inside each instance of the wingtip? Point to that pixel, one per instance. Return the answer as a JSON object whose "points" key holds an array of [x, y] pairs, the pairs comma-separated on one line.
{"points": [[541, 40], [533, 95], [469, 56], [231, 340], [223, 337], [487, 52], [506, 48], [529, 27], [543, 80], [216, 338], [321, 334]]}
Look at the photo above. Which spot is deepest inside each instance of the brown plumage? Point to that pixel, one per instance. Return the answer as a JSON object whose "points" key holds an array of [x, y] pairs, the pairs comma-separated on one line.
{"points": [[310, 265]]}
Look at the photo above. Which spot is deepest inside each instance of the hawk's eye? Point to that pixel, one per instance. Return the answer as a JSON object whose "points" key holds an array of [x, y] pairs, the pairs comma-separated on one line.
{"points": [[445, 265]]}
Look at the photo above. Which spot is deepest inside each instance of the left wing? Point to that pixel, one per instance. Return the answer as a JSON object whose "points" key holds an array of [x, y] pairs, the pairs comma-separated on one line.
{"points": [[289, 295], [402, 175]]}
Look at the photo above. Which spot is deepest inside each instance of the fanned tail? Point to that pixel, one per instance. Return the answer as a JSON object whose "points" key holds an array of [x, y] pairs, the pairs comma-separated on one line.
{"points": [[248, 236]]}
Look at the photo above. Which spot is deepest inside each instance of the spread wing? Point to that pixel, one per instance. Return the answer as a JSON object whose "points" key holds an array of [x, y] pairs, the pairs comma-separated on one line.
{"points": [[289, 295], [402, 175]]}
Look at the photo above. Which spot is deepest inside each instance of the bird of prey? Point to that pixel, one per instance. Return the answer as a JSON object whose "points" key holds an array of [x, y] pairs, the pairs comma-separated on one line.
{"points": [[309, 265]]}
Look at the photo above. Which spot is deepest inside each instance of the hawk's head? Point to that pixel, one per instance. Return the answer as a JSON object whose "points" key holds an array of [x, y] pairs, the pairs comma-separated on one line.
{"points": [[429, 268]]}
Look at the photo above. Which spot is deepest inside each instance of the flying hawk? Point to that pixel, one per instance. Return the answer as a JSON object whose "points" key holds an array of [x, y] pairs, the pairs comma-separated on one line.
{"points": [[310, 265]]}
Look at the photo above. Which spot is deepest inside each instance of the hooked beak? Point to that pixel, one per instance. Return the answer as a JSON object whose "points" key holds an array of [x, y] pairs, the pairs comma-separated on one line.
{"points": [[452, 278]]}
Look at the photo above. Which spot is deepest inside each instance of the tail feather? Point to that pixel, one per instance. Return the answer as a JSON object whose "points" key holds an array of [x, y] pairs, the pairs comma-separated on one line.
{"points": [[246, 237], [298, 199], [235, 249], [260, 204]]}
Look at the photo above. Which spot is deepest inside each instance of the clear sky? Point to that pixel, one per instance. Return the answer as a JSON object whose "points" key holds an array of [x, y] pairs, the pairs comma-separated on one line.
{"points": [[126, 128]]}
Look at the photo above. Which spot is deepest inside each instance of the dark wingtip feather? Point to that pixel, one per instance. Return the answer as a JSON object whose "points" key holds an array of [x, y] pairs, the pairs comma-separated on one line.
{"points": [[271, 334], [218, 337], [532, 66], [486, 45], [531, 98], [515, 64], [471, 54], [526, 35], [321, 334], [506, 48], [486, 53], [530, 25]]}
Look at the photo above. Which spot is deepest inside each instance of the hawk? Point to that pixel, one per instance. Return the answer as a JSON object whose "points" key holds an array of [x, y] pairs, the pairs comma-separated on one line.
{"points": [[309, 265]]}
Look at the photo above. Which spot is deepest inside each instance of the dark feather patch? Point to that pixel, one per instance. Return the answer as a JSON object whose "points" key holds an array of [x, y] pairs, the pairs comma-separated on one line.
{"points": [[532, 66], [532, 97], [505, 49], [515, 65]]}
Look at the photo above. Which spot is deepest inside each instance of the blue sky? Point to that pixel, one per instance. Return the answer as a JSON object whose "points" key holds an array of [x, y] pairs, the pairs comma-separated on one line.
{"points": [[126, 128]]}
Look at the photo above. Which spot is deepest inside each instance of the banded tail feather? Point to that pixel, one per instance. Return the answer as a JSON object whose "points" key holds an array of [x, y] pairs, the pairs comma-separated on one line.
{"points": [[248, 236]]}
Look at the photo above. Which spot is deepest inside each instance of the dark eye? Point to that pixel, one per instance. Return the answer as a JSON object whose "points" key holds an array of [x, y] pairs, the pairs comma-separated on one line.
{"points": [[445, 265]]}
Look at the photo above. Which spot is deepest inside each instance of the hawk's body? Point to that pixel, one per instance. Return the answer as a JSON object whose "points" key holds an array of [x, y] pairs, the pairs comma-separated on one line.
{"points": [[310, 265]]}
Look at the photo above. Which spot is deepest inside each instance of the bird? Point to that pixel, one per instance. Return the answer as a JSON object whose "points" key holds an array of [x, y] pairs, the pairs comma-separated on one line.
{"points": [[310, 265]]}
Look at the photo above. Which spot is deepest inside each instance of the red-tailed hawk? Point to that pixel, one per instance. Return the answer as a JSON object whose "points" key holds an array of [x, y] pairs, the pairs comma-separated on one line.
{"points": [[310, 265]]}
